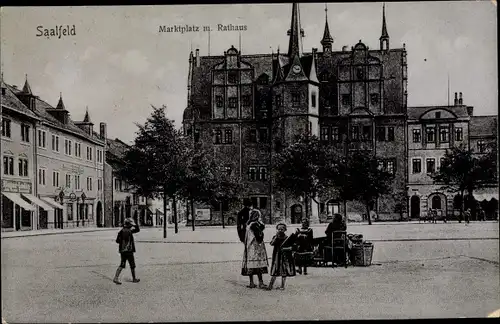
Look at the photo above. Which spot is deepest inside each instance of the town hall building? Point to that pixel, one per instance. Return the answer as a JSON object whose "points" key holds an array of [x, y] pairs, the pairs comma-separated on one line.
{"points": [[246, 106]]}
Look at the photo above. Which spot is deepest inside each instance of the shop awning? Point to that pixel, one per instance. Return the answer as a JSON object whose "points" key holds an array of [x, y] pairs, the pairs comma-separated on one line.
{"points": [[18, 200], [52, 202], [38, 202], [487, 195]]}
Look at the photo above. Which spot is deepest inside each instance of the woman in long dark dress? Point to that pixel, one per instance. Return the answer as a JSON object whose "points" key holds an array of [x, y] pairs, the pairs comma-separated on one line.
{"points": [[283, 263], [304, 253]]}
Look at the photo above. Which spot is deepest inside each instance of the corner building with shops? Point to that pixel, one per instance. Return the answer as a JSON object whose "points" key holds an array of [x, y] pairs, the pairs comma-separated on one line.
{"points": [[247, 106], [64, 165]]}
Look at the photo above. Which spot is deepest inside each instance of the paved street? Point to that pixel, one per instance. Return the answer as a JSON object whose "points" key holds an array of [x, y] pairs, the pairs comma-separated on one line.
{"points": [[419, 270]]}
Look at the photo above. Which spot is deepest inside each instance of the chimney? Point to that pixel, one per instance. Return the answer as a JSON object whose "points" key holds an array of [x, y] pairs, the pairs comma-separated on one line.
{"points": [[455, 102], [460, 100], [102, 131], [197, 58], [345, 48], [470, 111]]}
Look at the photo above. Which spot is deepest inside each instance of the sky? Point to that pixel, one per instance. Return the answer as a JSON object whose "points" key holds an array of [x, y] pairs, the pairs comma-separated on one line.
{"points": [[118, 64]]}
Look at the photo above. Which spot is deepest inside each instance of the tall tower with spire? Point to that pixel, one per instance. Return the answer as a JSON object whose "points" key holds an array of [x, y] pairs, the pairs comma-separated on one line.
{"points": [[327, 40], [384, 38], [296, 33]]}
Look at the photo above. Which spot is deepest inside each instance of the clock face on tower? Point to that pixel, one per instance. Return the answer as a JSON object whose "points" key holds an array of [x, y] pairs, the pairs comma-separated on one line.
{"points": [[296, 69]]}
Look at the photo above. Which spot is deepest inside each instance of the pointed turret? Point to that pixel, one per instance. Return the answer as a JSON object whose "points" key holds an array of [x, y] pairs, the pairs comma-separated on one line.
{"points": [[27, 88], [60, 104], [384, 38], [296, 33], [327, 40], [86, 119]]}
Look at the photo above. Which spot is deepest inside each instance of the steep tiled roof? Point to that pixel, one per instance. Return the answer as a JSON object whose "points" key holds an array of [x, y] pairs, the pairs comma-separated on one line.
{"points": [[116, 148], [481, 126], [10, 101], [414, 113], [41, 108], [263, 63]]}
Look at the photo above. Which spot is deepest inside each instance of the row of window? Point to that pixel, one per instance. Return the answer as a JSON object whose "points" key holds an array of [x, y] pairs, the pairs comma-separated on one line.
{"points": [[358, 133], [444, 134], [246, 101], [75, 184], [120, 185], [8, 169], [225, 136], [346, 99], [69, 148], [430, 165]]}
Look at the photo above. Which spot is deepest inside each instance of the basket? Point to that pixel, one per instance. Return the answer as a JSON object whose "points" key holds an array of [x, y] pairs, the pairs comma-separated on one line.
{"points": [[362, 254]]}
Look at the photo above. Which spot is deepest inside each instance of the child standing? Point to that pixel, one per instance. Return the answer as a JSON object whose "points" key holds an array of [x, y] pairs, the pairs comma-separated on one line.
{"points": [[283, 264], [126, 247]]}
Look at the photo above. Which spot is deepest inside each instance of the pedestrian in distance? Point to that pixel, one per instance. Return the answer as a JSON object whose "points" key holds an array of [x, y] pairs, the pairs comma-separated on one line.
{"points": [[243, 216], [126, 248], [467, 216], [255, 261], [283, 264]]}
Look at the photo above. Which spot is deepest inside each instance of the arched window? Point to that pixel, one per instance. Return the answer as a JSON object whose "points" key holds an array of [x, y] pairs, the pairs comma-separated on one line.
{"points": [[436, 202]]}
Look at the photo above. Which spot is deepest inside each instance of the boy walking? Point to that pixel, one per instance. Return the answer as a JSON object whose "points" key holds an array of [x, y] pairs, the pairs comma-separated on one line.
{"points": [[126, 247]]}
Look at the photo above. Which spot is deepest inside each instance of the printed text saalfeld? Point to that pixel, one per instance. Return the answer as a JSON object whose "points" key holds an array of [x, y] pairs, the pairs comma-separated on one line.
{"points": [[57, 31]]}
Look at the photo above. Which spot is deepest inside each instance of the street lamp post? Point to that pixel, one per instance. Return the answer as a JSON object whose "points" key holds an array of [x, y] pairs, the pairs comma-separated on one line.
{"points": [[82, 213]]}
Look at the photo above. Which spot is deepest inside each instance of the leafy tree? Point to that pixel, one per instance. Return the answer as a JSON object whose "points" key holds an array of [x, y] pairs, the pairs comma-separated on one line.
{"points": [[300, 167], [461, 172], [366, 181], [201, 180], [229, 189], [154, 164]]}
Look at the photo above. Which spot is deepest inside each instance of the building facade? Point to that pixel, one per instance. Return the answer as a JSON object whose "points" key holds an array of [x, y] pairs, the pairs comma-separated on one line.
{"points": [[18, 163], [121, 200], [246, 107], [432, 131], [69, 167]]}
